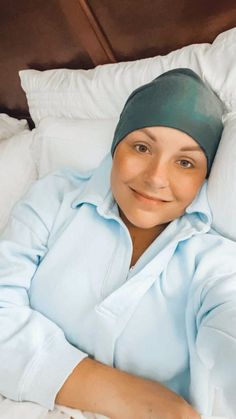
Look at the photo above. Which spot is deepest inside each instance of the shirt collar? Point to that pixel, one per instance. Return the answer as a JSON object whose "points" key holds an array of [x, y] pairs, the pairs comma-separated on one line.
{"points": [[200, 206], [97, 190]]}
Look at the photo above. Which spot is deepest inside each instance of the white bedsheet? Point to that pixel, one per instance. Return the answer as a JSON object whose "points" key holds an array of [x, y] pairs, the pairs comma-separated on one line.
{"points": [[27, 410]]}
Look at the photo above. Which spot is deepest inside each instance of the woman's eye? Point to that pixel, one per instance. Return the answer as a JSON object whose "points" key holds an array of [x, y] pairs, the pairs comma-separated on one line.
{"points": [[185, 164], [141, 148]]}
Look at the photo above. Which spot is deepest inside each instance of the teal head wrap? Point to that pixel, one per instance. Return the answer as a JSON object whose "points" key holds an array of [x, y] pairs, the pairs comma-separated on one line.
{"points": [[176, 99]]}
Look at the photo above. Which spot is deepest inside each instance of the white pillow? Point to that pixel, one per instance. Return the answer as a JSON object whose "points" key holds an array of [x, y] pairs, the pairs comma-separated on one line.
{"points": [[222, 181], [17, 171], [100, 93], [81, 144], [10, 126]]}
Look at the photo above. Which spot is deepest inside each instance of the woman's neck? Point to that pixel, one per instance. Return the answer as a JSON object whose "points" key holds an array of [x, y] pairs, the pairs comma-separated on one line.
{"points": [[141, 237]]}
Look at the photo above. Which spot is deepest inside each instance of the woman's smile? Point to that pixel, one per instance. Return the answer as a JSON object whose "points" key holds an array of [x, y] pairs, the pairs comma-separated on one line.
{"points": [[145, 198]]}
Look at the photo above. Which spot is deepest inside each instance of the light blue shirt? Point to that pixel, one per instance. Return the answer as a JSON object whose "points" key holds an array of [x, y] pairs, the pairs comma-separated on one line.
{"points": [[67, 290]]}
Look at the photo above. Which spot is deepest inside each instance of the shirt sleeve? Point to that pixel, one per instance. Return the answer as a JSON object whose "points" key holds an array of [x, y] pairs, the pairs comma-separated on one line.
{"points": [[216, 341], [35, 357]]}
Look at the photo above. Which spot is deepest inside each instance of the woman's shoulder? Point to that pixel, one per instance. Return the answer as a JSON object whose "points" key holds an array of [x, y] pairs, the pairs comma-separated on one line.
{"points": [[214, 258], [65, 178], [214, 246], [55, 185], [214, 242], [45, 196], [211, 254]]}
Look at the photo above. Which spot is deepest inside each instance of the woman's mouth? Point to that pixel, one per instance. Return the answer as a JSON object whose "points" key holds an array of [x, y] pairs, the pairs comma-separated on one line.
{"points": [[146, 198]]}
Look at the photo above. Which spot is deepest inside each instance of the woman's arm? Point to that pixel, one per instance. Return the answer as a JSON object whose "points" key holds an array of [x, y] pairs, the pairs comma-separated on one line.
{"points": [[215, 343], [102, 389], [35, 357]]}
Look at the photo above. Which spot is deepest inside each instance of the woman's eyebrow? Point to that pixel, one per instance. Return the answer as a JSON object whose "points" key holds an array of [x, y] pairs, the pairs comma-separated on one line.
{"points": [[149, 134], [186, 148], [191, 148]]}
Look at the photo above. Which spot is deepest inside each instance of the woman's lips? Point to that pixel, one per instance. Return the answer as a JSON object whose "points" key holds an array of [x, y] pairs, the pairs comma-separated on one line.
{"points": [[143, 197]]}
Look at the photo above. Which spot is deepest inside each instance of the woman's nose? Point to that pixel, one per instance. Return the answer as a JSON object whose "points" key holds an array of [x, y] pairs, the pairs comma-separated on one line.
{"points": [[157, 174]]}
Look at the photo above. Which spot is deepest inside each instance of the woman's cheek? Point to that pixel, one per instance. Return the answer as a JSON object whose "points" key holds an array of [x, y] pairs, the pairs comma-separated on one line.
{"points": [[127, 169], [135, 166]]}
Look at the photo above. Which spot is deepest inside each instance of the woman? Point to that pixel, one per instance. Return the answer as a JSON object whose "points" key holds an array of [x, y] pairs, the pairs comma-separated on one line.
{"points": [[116, 294]]}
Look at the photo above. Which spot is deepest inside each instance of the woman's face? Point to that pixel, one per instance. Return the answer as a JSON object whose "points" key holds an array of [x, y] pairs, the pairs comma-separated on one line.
{"points": [[156, 173]]}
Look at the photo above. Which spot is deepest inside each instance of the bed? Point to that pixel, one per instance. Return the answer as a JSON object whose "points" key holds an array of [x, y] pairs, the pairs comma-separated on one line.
{"points": [[67, 67]]}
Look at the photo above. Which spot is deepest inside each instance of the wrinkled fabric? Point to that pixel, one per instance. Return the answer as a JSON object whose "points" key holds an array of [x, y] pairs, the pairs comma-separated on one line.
{"points": [[67, 291]]}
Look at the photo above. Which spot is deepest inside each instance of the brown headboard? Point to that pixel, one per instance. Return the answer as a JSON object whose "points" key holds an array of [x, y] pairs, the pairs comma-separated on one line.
{"points": [[46, 34]]}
